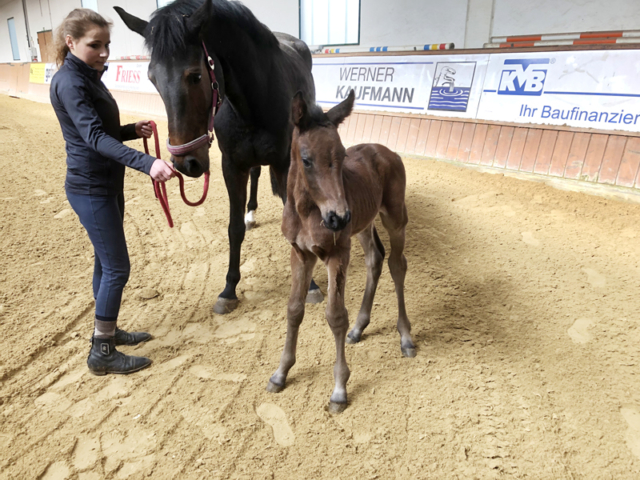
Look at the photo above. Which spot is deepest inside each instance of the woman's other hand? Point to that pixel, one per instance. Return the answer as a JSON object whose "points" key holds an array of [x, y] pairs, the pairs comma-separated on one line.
{"points": [[161, 171], [143, 129]]}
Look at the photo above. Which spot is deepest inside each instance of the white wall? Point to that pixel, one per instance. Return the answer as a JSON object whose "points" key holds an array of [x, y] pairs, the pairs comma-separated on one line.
{"points": [[467, 23], [8, 10], [564, 16], [412, 22]]}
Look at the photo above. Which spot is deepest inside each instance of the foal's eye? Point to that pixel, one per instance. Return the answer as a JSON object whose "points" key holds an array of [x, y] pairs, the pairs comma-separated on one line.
{"points": [[306, 161], [195, 78]]}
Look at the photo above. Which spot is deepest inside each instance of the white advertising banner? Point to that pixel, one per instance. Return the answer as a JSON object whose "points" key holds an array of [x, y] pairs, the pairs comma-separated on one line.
{"points": [[436, 85], [128, 76], [594, 89]]}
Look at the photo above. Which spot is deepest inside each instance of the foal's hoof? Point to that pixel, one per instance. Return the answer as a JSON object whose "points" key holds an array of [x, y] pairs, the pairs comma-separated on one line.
{"points": [[408, 352], [274, 388], [225, 305], [353, 337], [336, 408], [315, 296]]}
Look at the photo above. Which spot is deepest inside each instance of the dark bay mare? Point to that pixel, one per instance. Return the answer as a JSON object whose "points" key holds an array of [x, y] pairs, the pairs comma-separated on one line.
{"points": [[257, 74], [334, 194]]}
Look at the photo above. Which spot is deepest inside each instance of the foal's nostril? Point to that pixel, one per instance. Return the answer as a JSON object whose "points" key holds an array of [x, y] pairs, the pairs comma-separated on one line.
{"points": [[335, 222], [347, 217]]}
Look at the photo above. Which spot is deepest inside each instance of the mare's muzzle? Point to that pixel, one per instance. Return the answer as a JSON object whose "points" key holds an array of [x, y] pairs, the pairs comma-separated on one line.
{"points": [[335, 222], [190, 166]]}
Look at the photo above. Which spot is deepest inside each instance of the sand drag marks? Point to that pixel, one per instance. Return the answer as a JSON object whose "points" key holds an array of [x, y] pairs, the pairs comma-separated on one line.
{"points": [[498, 389]]}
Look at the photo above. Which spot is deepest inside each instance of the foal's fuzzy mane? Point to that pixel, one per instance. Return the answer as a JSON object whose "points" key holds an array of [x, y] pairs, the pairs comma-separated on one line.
{"points": [[315, 117], [167, 33]]}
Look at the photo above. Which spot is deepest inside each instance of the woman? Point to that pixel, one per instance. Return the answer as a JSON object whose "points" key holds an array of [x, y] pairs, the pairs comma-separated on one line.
{"points": [[96, 160]]}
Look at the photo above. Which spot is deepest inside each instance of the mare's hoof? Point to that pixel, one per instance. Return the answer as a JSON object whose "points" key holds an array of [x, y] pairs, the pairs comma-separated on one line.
{"points": [[408, 352], [353, 337], [336, 408], [249, 220], [249, 225], [315, 296], [274, 388], [225, 305]]}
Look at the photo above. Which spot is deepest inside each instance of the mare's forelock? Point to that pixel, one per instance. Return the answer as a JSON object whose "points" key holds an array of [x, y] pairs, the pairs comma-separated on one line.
{"points": [[169, 35]]}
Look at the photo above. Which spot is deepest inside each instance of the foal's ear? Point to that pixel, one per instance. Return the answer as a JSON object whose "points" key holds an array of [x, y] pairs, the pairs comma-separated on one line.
{"points": [[199, 19], [341, 111], [135, 24], [298, 110]]}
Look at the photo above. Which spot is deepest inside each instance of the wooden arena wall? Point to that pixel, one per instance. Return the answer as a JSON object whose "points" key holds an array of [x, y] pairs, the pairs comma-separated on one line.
{"points": [[596, 161]]}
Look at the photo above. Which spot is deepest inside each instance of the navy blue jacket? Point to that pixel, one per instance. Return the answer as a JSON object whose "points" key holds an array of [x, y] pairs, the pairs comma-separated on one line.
{"points": [[90, 122]]}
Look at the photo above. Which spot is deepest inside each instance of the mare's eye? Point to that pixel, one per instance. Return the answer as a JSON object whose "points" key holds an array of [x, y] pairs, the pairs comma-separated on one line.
{"points": [[195, 78], [306, 161]]}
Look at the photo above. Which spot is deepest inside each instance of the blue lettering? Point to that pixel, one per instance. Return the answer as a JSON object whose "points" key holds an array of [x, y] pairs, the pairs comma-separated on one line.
{"points": [[546, 111]]}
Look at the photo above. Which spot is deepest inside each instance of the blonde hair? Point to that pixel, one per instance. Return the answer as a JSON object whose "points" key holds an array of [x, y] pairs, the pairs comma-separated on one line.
{"points": [[76, 25]]}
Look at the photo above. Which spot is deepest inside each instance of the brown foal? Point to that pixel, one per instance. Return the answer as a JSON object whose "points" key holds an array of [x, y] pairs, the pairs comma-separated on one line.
{"points": [[333, 194]]}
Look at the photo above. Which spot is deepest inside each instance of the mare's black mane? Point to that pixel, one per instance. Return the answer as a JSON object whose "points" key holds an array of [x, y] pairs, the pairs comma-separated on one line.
{"points": [[167, 33]]}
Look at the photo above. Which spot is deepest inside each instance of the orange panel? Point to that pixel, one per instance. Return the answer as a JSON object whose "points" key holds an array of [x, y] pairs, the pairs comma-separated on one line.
{"points": [[477, 146], [560, 154], [351, 130], [384, 131], [593, 159], [612, 158], [530, 152], [504, 144], [362, 119], [432, 139], [393, 132], [443, 139], [490, 145], [517, 147], [401, 145], [577, 153], [368, 128], [545, 152], [412, 136], [423, 134], [343, 129], [454, 140], [377, 127], [465, 142], [629, 164]]}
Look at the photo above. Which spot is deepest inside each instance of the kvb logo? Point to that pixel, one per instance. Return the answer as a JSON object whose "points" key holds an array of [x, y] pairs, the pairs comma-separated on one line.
{"points": [[523, 76]]}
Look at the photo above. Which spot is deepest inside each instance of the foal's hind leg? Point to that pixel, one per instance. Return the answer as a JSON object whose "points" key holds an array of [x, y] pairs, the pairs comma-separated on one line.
{"points": [[373, 258], [301, 268], [394, 222], [252, 206]]}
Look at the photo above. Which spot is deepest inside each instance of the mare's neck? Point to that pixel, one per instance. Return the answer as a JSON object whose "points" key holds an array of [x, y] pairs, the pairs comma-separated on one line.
{"points": [[246, 66]]}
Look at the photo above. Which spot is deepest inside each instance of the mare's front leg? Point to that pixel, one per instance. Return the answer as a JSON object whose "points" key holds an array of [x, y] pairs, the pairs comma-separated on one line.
{"points": [[301, 269], [338, 318], [252, 206], [236, 182]]}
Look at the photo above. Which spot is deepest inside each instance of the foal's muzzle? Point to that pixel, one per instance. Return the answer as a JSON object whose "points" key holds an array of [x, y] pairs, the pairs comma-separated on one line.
{"points": [[335, 222]]}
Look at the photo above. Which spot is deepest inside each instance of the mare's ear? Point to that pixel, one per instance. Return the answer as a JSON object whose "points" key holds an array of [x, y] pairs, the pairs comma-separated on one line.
{"points": [[199, 19], [298, 110], [135, 24], [341, 111]]}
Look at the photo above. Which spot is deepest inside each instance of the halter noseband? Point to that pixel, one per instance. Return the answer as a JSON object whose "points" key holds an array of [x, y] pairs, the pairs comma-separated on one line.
{"points": [[207, 138]]}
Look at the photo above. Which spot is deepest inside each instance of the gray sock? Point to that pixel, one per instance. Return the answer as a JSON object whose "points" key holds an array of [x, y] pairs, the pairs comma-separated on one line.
{"points": [[104, 329]]}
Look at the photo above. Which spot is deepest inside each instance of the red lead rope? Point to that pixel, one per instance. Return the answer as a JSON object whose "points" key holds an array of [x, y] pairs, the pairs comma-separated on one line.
{"points": [[160, 188]]}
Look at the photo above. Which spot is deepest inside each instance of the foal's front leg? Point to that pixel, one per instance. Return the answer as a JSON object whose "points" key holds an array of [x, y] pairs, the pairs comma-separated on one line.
{"points": [[302, 264], [338, 318]]}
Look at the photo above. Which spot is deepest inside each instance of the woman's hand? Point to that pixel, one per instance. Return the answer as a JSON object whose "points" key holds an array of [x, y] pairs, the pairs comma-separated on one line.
{"points": [[161, 171], [143, 129]]}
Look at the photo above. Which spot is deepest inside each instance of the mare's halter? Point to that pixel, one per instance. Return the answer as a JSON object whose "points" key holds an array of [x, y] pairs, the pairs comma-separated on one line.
{"points": [[181, 150]]}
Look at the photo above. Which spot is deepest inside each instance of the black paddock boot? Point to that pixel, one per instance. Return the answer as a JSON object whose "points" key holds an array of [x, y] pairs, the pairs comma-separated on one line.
{"points": [[133, 338], [104, 358]]}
